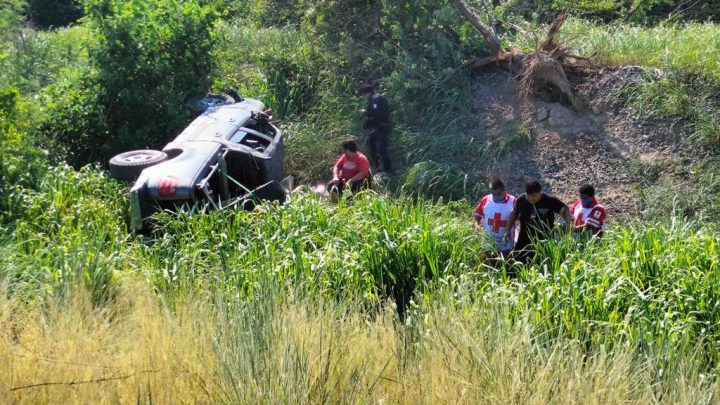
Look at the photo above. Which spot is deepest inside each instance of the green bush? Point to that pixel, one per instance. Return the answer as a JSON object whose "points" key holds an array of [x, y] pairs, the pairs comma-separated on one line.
{"points": [[21, 164], [151, 56], [10, 19], [42, 57], [74, 127]]}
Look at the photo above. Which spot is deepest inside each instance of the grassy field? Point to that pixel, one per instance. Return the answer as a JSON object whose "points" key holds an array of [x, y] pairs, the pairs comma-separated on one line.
{"points": [[389, 298], [279, 350], [691, 48], [298, 304]]}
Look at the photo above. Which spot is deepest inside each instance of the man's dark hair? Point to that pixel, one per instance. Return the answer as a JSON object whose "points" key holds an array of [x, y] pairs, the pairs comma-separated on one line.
{"points": [[350, 145], [532, 187], [588, 190], [497, 184], [367, 89]]}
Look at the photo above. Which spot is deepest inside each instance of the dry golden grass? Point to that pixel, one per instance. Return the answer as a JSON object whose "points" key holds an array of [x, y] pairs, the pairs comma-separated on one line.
{"points": [[133, 350], [139, 350]]}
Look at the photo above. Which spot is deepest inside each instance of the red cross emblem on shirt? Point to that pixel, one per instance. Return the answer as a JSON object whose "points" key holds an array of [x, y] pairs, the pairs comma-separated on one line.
{"points": [[496, 222]]}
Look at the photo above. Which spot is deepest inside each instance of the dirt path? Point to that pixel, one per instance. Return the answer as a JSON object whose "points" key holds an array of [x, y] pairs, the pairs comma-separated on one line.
{"points": [[606, 145]]}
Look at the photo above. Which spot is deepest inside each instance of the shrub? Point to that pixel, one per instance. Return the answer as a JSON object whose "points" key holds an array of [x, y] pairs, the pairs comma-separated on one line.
{"points": [[151, 57], [21, 163], [10, 18], [41, 57], [74, 127]]}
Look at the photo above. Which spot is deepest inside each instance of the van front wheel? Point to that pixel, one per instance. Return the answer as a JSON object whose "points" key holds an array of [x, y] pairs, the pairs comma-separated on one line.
{"points": [[129, 165]]}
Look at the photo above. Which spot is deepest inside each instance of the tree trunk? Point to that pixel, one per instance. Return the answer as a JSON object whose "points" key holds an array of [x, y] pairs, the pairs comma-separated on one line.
{"points": [[484, 29]]}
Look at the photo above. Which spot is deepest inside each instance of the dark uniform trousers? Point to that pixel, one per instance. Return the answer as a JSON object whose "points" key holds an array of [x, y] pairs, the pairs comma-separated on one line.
{"points": [[377, 146]]}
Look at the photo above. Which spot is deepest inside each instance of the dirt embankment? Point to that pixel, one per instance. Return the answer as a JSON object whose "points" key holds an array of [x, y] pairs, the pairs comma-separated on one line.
{"points": [[607, 144]]}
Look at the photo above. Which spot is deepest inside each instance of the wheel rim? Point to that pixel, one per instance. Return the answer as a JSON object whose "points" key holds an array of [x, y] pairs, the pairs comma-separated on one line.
{"points": [[138, 157]]}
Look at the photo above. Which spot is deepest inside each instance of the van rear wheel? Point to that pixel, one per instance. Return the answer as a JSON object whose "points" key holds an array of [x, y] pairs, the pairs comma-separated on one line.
{"points": [[129, 165], [199, 104]]}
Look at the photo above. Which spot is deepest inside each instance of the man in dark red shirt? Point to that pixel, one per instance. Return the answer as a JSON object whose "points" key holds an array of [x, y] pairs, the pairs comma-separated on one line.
{"points": [[352, 169]]}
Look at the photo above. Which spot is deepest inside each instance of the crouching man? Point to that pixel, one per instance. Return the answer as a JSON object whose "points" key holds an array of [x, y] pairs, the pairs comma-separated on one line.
{"points": [[493, 214], [351, 170]]}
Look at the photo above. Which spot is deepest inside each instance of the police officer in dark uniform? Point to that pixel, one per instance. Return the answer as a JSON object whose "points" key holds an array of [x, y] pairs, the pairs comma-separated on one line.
{"points": [[377, 124]]}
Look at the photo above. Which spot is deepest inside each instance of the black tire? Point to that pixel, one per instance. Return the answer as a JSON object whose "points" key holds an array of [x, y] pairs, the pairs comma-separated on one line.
{"points": [[128, 165], [199, 104]]}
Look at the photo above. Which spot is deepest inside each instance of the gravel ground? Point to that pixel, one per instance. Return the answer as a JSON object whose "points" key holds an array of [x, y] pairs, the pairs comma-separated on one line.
{"points": [[608, 145]]}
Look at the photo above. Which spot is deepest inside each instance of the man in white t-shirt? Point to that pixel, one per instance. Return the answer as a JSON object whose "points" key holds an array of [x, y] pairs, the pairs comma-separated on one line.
{"points": [[492, 214]]}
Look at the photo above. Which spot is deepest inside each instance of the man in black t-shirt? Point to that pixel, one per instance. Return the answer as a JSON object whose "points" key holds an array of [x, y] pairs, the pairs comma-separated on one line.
{"points": [[536, 212]]}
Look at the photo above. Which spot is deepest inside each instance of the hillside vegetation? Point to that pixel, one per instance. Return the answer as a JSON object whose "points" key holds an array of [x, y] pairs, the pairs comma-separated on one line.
{"points": [[387, 298]]}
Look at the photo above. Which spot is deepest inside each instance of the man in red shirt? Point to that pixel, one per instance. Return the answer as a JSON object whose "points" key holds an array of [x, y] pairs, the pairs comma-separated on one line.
{"points": [[352, 169], [587, 212]]}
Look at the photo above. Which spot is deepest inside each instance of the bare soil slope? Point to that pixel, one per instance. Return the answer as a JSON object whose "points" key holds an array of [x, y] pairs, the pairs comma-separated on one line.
{"points": [[606, 145]]}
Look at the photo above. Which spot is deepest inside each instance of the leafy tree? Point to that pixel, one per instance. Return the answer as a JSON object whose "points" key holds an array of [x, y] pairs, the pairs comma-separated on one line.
{"points": [[74, 127], [150, 57], [21, 164], [10, 19]]}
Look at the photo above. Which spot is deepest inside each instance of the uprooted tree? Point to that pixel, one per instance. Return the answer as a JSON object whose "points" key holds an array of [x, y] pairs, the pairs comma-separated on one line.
{"points": [[543, 71]]}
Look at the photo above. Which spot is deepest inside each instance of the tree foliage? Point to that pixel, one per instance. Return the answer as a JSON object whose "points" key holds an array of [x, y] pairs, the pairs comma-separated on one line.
{"points": [[150, 57], [21, 164], [75, 127], [10, 18]]}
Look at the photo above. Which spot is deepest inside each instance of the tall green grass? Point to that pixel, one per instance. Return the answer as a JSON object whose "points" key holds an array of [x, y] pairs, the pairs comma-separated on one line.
{"points": [[312, 87], [648, 284], [690, 48], [687, 104], [458, 347], [77, 235], [375, 299], [372, 249]]}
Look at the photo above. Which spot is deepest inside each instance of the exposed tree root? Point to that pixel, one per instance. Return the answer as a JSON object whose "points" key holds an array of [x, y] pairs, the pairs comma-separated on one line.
{"points": [[545, 77], [543, 73]]}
